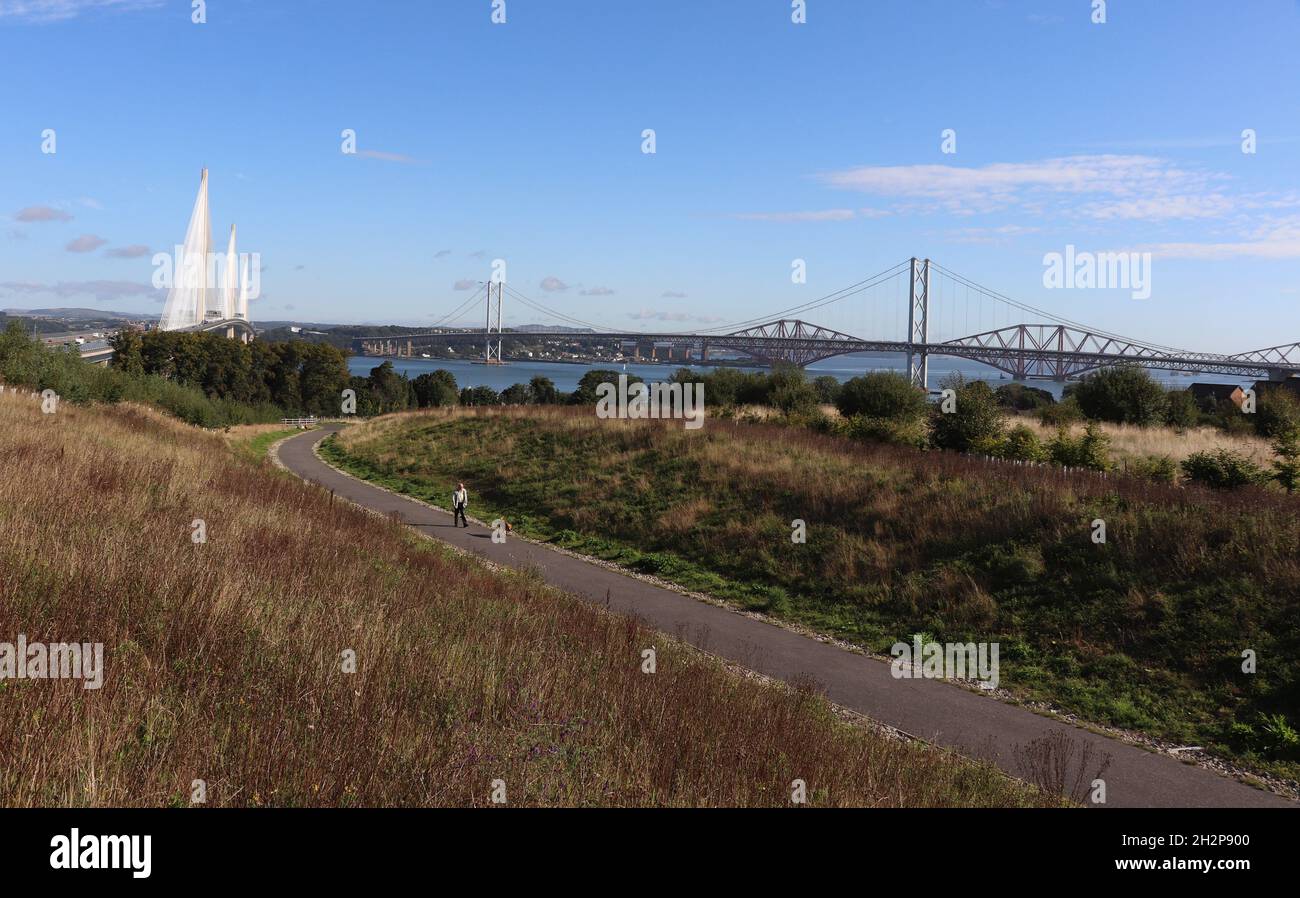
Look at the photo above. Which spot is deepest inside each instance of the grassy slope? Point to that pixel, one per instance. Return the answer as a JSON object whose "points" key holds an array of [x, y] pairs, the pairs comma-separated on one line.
{"points": [[223, 659], [1144, 632]]}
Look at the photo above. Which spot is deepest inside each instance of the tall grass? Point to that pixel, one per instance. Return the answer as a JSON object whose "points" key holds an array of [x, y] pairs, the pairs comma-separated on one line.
{"points": [[224, 659], [1145, 631]]}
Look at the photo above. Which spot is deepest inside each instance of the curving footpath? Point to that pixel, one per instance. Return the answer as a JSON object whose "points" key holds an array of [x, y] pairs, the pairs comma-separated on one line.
{"points": [[938, 712]]}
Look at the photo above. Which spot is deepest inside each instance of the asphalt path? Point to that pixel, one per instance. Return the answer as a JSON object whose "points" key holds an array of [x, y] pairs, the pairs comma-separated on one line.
{"points": [[975, 725]]}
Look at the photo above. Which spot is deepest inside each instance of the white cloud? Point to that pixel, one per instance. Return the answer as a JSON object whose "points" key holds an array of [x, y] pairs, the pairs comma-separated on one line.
{"points": [[597, 291], [1278, 239], [464, 284], [553, 284], [45, 11], [673, 294], [1122, 186]]}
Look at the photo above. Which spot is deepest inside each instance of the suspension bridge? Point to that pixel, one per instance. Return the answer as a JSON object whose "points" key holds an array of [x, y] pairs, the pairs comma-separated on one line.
{"points": [[935, 301]]}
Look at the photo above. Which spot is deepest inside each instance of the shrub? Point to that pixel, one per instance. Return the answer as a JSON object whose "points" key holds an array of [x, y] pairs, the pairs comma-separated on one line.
{"points": [[1183, 410], [1277, 410], [1023, 398], [789, 391], [1286, 468], [887, 430], [975, 417], [881, 394], [1159, 468], [1123, 394], [827, 389], [1222, 469], [1022, 444], [1065, 412], [1090, 450]]}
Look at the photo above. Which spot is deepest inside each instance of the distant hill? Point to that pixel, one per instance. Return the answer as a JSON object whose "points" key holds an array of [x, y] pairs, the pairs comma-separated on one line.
{"points": [[94, 314]]}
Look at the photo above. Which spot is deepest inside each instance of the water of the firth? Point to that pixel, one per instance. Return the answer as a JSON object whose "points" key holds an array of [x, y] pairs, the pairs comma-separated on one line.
{"points": [[565, 375]]}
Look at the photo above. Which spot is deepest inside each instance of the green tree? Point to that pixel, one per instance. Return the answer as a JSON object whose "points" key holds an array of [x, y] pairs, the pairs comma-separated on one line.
{"points": [[1123, 394], [128, 354], [585, 394], [517, 394], [434, 389], [544, 391], [391, 391], [479, 396]]}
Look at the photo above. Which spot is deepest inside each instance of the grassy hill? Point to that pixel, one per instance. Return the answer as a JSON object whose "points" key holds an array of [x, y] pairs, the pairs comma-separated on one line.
{"points": [[224, 660], [1145, 631]]}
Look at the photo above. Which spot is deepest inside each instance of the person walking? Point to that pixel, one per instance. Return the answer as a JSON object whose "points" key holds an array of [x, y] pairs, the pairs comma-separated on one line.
{"points": [[459, 499]]}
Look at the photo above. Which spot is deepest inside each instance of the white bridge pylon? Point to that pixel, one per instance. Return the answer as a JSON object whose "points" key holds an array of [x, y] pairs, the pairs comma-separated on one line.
{"points": [[198, 299]]}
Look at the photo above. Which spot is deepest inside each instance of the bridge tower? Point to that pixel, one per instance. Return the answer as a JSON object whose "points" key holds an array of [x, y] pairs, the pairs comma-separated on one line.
{"points": [[493, 356], [918, 324]]}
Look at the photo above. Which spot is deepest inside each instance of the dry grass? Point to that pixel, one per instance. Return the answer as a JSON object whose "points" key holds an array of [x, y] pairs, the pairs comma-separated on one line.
{"points": [[223, 659], [1130, 441]]}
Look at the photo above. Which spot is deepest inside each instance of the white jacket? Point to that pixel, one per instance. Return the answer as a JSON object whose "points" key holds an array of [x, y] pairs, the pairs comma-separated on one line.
{"points": [[460, 497]]}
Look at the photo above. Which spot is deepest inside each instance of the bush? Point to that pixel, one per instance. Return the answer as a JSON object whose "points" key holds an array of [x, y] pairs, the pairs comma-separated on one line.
{"points": [[1286, 467], [887, 430], [1222, 469], [827, 389], [1277, 410], [788, 390], [1090, 450], [1183, 410], [881, 395], [1124, 394], [1065, 412], [975, 417], [1158, 468], [1022, 444], [1023, 398]]}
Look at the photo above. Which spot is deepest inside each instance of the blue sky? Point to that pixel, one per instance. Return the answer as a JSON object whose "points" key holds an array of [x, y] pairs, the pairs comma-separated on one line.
{"points": [[775, 142]]}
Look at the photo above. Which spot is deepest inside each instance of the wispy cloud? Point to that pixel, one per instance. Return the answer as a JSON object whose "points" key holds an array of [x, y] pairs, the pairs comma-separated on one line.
{"points": [[390, 157], [654, 315], [597, 291], [819, 215], [86, 243], [42, 213], [46, 11], [673, 294], [1278, 239], [553, 284], [134, 251], [1116, 186], [464, 284], [103, 291]]}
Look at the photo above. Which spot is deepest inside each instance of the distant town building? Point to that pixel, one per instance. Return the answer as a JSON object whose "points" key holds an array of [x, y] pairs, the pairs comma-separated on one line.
{"points": [[1213, 394]]}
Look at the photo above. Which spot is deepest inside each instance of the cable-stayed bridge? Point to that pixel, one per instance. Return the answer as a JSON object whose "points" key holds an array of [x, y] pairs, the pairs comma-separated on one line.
{"points": [[925, 299]]}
